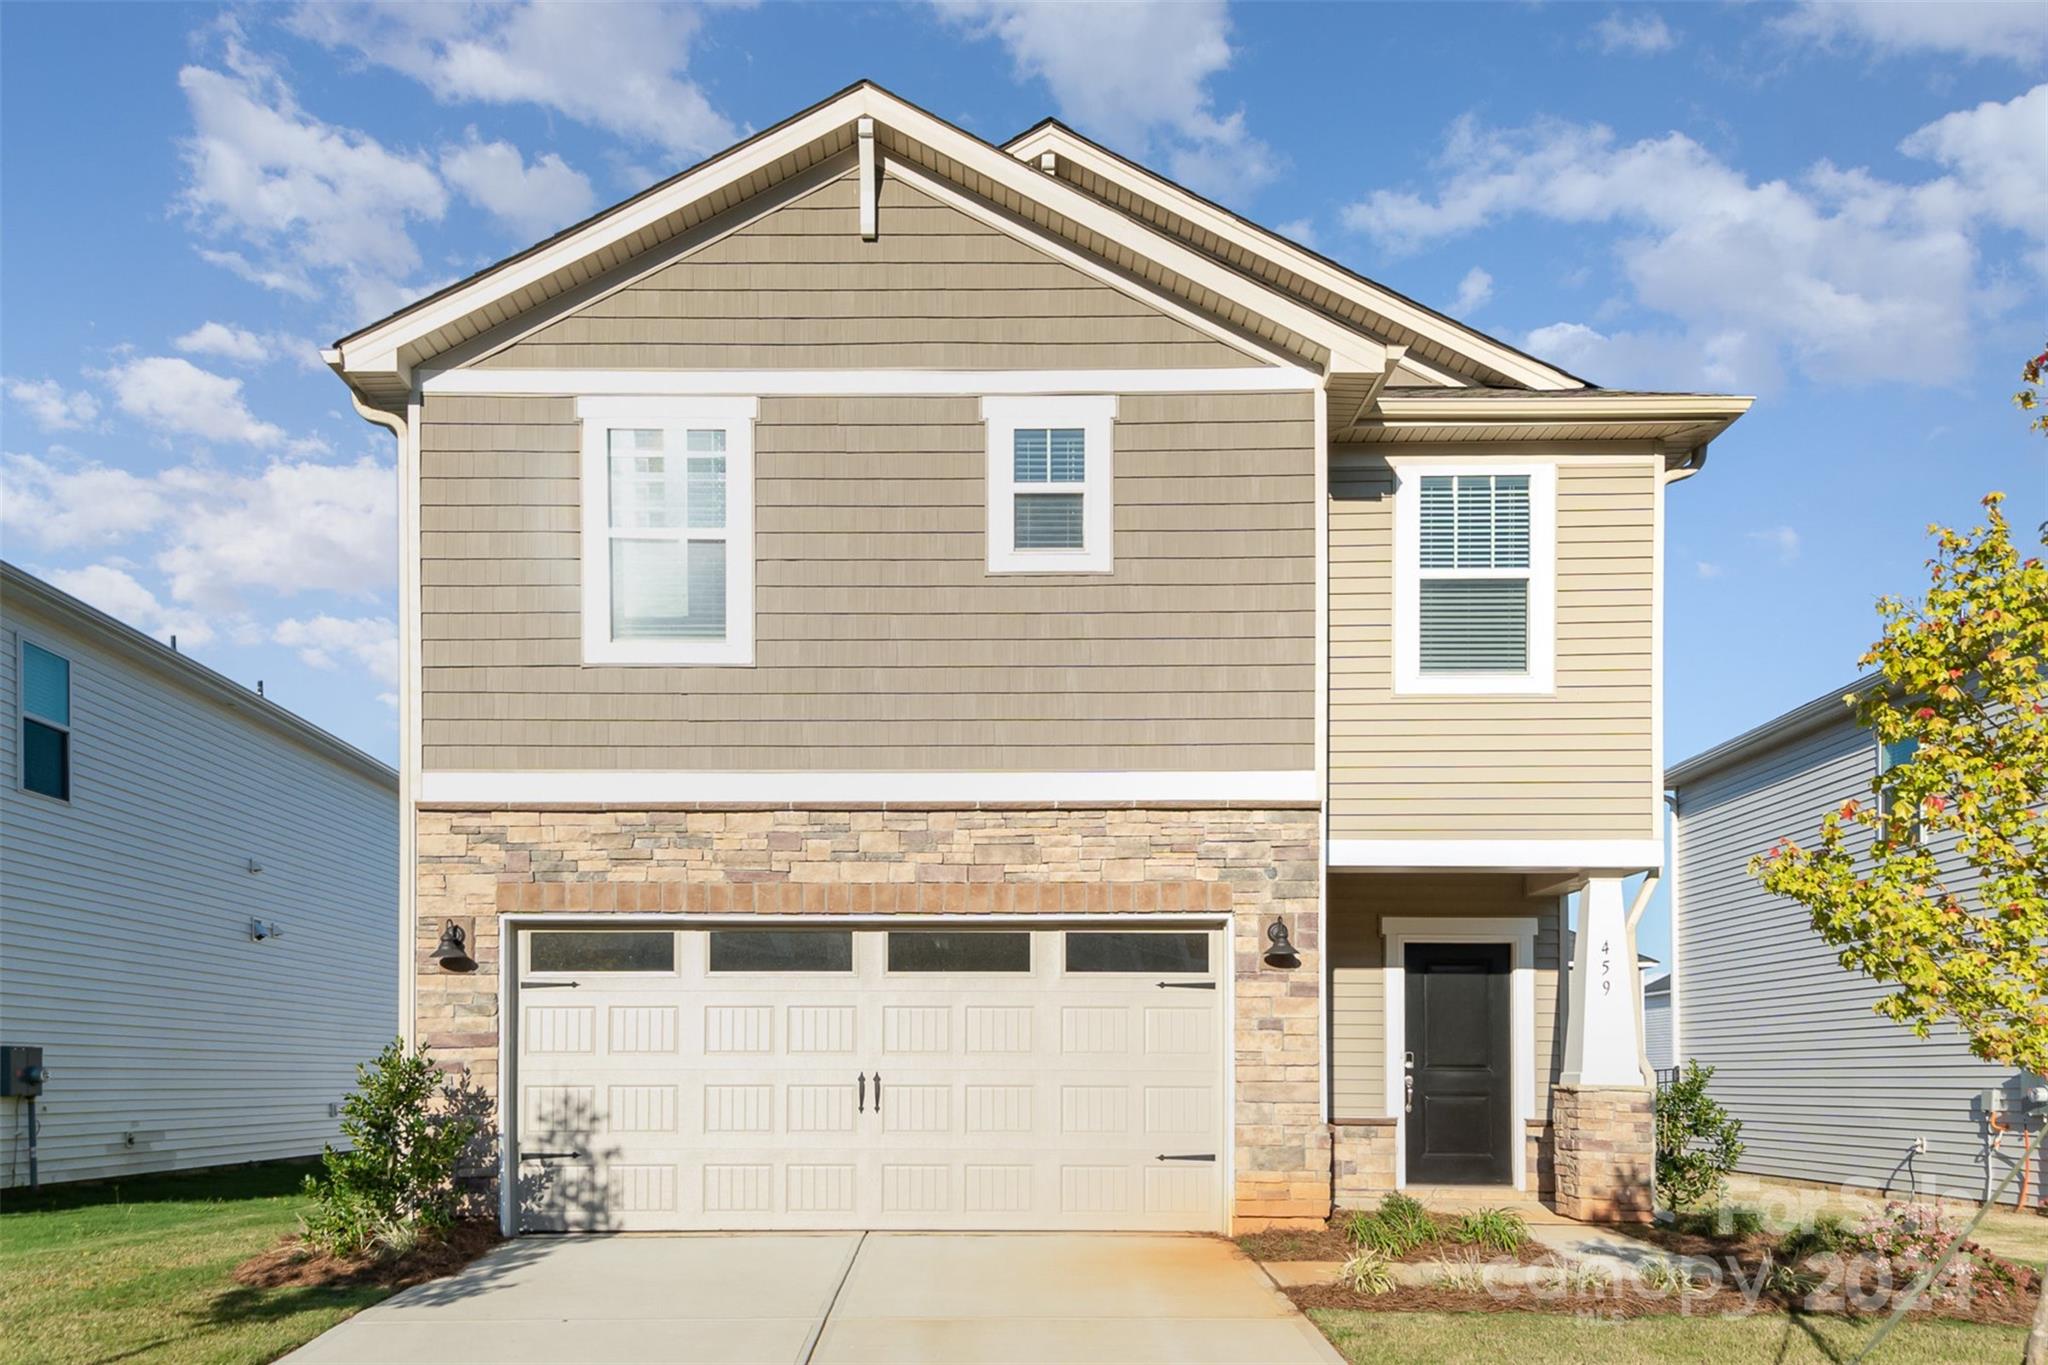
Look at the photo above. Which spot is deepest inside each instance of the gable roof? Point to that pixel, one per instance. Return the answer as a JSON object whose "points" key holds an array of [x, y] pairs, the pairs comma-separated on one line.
{"points": [[131, 645], [1277, 293], [1469, 355]]}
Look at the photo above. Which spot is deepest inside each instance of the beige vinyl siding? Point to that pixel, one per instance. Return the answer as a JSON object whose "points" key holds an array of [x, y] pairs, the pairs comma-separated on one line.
{"points": [[798, 288], [1576, 764], [882, 641], [1358, 1038]]}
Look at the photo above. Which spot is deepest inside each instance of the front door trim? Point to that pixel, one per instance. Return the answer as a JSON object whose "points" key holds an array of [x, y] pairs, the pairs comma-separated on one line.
{"points": [[1519, 933], [513, 924]]}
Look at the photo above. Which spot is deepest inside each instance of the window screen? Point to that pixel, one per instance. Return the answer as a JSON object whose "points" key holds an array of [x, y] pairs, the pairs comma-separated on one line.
{"points": [[781, 950], [601, 950], [1151, 951], [1473, 599], [1049, 456]]}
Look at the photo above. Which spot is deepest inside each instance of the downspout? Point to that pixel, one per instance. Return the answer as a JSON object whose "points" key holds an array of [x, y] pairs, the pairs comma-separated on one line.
{"points": [[407, 872]]}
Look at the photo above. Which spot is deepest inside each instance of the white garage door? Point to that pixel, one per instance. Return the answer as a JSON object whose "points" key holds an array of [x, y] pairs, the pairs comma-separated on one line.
{"points": [[920, 1076]]}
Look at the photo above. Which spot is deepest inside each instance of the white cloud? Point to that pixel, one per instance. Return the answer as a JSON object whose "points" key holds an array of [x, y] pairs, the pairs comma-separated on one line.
{"points": [[534, 199], [1782, 540], [63, 504], [245, 347], [295, 526], [1829, 272], [622, 68], [1302, 230], [2015, 32], [1473, 291], [54, 407], [1136, 76], [122, 596], [176, 397], [1640, 35], [312, 201], [369, 642], [1706, 568]]}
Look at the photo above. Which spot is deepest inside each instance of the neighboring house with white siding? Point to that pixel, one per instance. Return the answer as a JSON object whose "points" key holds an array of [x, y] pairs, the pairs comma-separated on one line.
{"points": [[1657, 1023], [956, 685], [1827, 1090], [151, 813]]}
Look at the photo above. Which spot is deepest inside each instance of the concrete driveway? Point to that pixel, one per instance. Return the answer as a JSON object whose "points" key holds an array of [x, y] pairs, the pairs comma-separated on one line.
{"points": [[840, 1298]]}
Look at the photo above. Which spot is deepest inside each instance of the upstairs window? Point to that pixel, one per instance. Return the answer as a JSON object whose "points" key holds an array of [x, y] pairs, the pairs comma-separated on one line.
{"points": [[1049, 485], [45, 722], [1475, 579], [668, 530], [1889, 756]]}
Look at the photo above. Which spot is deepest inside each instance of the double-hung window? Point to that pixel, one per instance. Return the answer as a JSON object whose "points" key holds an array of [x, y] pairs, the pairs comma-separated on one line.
{"points": [[668, 530], [45, 722], [1050, 478], [1475, 579], [1889, 756]]}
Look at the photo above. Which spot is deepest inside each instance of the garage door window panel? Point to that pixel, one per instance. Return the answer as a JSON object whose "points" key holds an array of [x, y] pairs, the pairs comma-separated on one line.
{"points": [[603, 950], [960, 952], [1150, 951], [781, 950]]}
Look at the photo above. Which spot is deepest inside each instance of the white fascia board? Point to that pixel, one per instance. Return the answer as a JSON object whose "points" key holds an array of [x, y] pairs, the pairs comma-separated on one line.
{"points": [[798, 787], [1496, 855], [880, 383], [1254, 239], [1578, 407]]}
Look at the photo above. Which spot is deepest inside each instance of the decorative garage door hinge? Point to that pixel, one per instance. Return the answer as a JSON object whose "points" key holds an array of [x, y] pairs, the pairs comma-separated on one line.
{"points": [[550, 1156], [546, 985], [1187, 985], [1191, 1156]]}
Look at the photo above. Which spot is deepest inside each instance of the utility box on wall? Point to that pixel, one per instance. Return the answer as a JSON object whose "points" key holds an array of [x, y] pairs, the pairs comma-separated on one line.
{"points": [[21, 1071]]}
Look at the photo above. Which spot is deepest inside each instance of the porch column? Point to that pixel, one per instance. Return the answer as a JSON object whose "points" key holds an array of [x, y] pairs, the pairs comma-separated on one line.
{"points": [[1602, 1114]]}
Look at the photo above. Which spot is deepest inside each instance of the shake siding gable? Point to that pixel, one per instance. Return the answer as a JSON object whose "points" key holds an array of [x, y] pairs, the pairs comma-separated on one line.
{"points": [[882, 641], [799, 289], [1576, 764]]}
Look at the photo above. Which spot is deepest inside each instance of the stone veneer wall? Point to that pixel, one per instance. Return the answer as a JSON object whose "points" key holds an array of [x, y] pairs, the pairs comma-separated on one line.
{"points": [[1605, 1152], [1255, 862], [1362, 1162]]}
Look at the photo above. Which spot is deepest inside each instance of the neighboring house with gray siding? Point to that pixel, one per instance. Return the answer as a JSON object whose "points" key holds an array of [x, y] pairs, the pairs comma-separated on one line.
{"points": [[1826, 1089], [150, 811], [989, 616], [1657, 1024]]}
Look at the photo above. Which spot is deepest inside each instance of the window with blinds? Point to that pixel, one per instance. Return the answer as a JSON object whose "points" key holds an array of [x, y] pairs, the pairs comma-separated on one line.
{"points": [[1473, 599], [1050, 484]]}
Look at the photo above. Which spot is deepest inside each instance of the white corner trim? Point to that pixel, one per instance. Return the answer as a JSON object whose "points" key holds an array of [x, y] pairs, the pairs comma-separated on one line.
{"points": [[1496, 855], [870, 188], [796, 787], [1095, 415], [1519, 933], [1541, 677], [874, 383], [733, 415]]}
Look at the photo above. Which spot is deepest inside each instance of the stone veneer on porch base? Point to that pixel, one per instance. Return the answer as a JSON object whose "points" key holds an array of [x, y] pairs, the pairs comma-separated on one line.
{"points": [[1253, 862], [1605, 1152]]}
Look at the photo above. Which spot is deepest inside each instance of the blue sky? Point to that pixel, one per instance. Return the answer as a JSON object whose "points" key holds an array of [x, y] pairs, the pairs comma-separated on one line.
{"points": [[1837, 208]]}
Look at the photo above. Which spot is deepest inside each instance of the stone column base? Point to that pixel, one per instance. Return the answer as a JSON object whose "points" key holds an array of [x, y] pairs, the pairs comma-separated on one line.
{"points": [[1362, 1162], [1605, 1152]]}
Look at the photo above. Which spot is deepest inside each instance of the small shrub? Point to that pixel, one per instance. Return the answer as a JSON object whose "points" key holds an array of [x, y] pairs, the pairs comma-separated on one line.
{"points": [[1399, 1227], [1464, 1272], [1698, 1142], [1825, 1235], [1499, 1230], [1662, 1275], [1579, 1277], [1367, 1273], [396, 1180], [1740, 1220]]}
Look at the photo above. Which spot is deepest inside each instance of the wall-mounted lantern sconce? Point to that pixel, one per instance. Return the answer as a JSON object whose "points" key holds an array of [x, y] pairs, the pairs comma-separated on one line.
{"points": [[1279, 948], [451, 952]]}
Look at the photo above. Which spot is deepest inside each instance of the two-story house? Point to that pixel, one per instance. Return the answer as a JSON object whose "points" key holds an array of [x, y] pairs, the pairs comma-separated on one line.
{"points": [[956, 686]]}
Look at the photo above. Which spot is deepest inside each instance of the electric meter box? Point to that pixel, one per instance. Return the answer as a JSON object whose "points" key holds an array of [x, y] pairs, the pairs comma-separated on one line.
{"points": [[21, 1071]]}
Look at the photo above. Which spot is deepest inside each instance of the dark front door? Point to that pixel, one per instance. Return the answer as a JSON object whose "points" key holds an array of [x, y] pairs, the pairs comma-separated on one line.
{"points": [[1459, 1108]]}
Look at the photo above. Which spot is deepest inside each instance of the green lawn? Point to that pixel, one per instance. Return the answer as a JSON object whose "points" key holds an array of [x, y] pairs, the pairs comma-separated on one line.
{"points": [[138, 1270], [1555, 1339]]}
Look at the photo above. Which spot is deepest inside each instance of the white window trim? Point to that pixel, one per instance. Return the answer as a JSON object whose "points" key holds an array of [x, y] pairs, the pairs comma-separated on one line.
{"points": [[601, 415], [1541, 677], [1095, 414], [1519, 933], [22, 640]]}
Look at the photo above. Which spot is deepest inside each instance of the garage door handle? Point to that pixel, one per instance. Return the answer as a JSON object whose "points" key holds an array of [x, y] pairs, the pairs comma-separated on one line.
{"points": [[863, 1092], [878, 1092]]}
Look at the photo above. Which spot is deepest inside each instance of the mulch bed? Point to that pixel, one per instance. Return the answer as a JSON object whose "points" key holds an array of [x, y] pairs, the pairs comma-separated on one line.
{"points": [[1331, 1242], [292, 1263]]}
